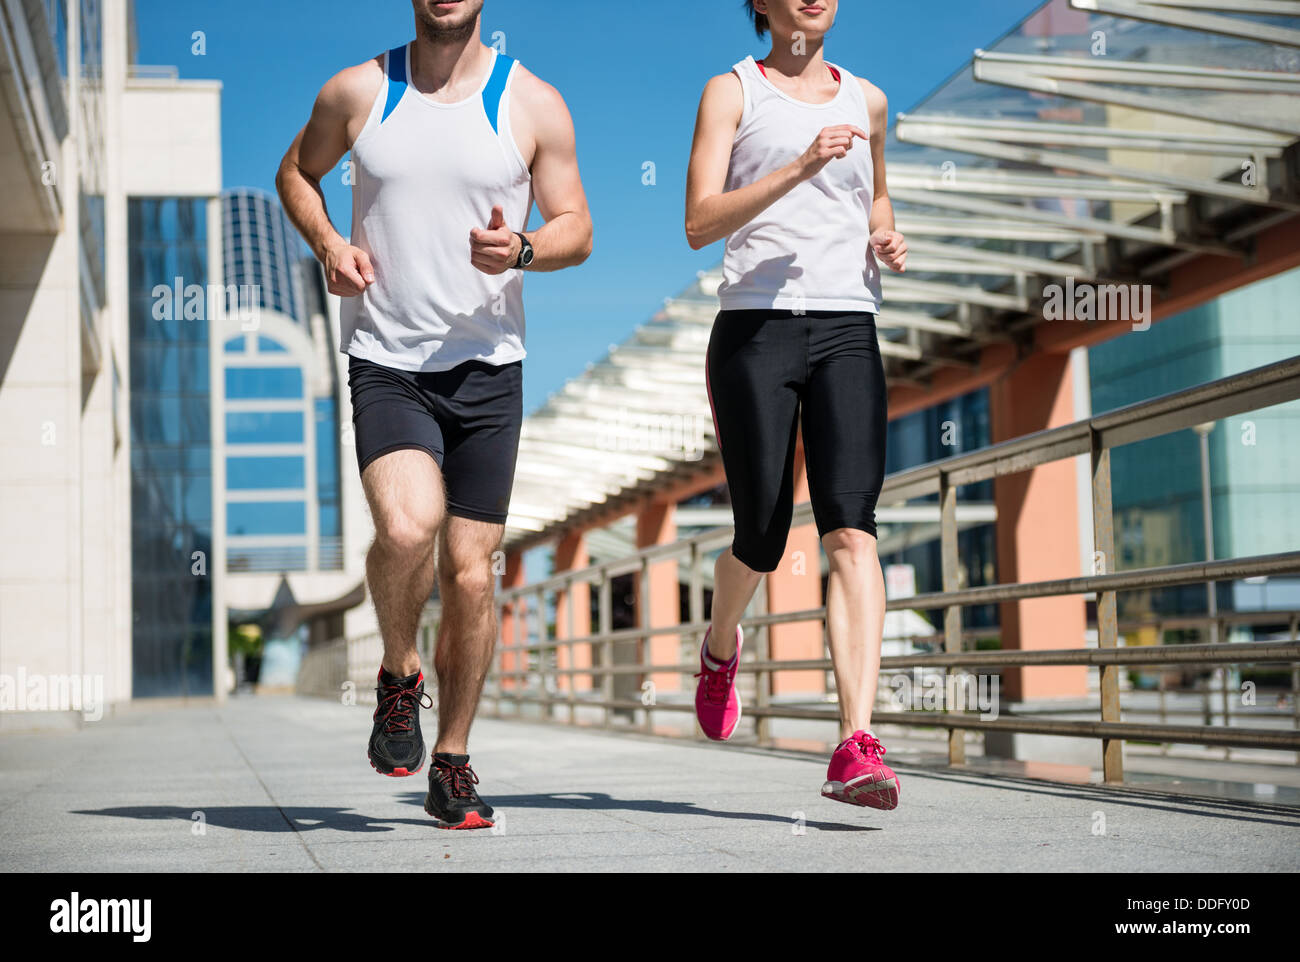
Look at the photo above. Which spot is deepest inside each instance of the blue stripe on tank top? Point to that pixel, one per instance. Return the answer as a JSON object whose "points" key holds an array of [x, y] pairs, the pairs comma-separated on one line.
{"points": [[396, 79], [496, 89]]}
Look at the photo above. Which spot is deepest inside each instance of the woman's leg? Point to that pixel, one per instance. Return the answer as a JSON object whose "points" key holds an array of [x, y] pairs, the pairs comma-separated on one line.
{"points": [[734, 584], [844, 427], [855, 622], [753, 368]]}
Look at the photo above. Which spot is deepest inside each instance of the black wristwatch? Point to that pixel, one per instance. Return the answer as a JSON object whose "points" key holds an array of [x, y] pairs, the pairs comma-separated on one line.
{"points": [[526, 253]]}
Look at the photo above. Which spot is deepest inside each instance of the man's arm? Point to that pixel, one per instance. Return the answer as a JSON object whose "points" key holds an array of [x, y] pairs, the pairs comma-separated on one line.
{"points": [[712, 212], [889, 245], [336, 119], [566, 238]]}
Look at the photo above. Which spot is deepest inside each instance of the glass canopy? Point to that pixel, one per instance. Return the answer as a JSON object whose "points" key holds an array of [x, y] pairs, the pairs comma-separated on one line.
{"points": [[1097, 139]]}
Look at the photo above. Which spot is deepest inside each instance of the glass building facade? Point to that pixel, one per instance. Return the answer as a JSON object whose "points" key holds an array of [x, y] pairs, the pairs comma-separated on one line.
{"points": [[262, 252], [1254, 463], [269, 442], [171, 469], [281, 404], [944, 431], [328, 489]]}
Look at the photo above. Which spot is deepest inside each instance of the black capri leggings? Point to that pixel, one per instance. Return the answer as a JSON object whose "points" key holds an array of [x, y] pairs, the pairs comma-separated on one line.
{"points": [[768, 368]]}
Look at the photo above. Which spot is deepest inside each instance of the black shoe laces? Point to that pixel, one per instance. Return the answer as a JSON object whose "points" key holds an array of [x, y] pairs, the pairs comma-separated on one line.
{"points": [[459, 780], [397, 706]]}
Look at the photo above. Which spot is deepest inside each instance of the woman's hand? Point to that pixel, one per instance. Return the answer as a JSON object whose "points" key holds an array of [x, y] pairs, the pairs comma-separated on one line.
{"points": [[890, 248], [831, 144]]}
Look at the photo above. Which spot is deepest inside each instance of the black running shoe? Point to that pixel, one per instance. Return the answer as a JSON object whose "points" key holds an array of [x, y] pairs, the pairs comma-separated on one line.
{"points": [[452, 799], [396, 745]]}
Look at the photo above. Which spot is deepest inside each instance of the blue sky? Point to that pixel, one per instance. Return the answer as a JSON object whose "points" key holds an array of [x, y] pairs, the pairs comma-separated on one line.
{"points": [[632, 75]]}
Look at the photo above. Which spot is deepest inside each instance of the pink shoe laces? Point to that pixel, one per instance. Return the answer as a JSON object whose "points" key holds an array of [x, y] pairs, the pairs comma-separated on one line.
{"points": [[867, 747], [717, 682]]}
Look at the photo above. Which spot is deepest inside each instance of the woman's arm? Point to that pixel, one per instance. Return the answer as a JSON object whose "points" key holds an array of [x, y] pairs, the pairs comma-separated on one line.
{"points": [[889, 245]]}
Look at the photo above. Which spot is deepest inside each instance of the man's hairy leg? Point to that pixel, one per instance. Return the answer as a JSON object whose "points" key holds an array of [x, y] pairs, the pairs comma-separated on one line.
{"points": [[405, 493], [468, 632]]}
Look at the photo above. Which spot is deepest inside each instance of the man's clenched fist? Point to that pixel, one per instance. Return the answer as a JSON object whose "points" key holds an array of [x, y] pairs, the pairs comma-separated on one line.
{"points": [[348, 270], [494, 250]]}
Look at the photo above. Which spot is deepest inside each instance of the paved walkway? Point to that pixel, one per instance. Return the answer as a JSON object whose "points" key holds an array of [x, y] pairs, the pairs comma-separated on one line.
{"points": [[282, 784]]}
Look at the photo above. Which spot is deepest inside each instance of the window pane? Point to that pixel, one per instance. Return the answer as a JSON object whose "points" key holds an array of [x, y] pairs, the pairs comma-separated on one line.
{"points": [[243, 474], [266, 517], [197, 426], [264, 427], [198, 498], [263, 382], [155, 420]]}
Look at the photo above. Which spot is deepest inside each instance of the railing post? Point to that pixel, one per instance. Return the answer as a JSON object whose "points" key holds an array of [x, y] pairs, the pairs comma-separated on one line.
{"points": [[570, 686], [695, 601], [496, 665], [521, 653], [696, 580], [606, 619], [543, 665], [951, 613], [424, 648], [763, 680], [1225, 673], [1164, 709], [1103, 534], [1295, 680], [1164, 713], [646, 648]]}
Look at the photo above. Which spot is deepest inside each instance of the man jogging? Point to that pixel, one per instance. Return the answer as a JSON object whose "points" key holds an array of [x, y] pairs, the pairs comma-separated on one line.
{"points": [[789, 166], [451, 141]]}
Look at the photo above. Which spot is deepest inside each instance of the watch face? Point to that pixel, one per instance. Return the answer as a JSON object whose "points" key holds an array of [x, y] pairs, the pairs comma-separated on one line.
{"points": [[527, 256]]}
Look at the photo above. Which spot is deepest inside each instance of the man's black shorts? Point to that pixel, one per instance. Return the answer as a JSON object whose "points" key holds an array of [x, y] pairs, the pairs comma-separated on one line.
{"points": [[468, 419]]}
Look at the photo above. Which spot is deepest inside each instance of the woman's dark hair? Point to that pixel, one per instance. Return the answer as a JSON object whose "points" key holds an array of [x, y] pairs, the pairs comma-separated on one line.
{"points": [[760, 19]]}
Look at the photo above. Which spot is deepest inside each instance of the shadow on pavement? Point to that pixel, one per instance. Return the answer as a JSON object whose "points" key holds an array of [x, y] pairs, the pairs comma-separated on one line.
{"points": [[601, 802], [265, 818], [1238, 810]]}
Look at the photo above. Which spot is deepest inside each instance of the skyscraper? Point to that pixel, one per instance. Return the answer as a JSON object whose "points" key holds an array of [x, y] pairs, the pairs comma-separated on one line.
{"points": [[280, 396], [263, 254], [279, 439]]}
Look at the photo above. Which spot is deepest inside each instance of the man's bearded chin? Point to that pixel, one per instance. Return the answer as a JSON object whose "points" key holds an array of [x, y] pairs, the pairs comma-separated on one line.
{"points": [[442, 30]]}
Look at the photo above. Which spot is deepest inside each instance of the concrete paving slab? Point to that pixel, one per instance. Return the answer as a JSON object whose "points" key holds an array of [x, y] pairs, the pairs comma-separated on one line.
{"points": [[282, 785]]}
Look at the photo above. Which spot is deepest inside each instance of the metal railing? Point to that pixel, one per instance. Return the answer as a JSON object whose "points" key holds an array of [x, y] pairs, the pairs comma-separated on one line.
{"points": [[523, 672], [263, 559], [142, 71]]}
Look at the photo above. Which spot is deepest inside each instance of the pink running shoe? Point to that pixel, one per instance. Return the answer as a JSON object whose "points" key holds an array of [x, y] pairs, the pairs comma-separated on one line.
{"points": [[858, 776], [717, 706]]}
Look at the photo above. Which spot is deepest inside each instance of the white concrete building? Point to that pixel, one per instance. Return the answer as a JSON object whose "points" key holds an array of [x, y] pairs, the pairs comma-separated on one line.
{"points": [[78, 142]]}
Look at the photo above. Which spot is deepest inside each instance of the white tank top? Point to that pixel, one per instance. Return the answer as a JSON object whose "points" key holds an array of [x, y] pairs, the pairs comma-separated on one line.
{"points": [[810, 250], [425, 174]]}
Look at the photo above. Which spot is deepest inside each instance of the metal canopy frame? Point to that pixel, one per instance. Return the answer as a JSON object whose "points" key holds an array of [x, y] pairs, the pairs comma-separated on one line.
{"points": [[999, 197]]}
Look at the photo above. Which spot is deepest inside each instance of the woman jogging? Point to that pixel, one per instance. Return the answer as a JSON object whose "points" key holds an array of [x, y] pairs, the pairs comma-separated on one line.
{"points": [[788, 166]]}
